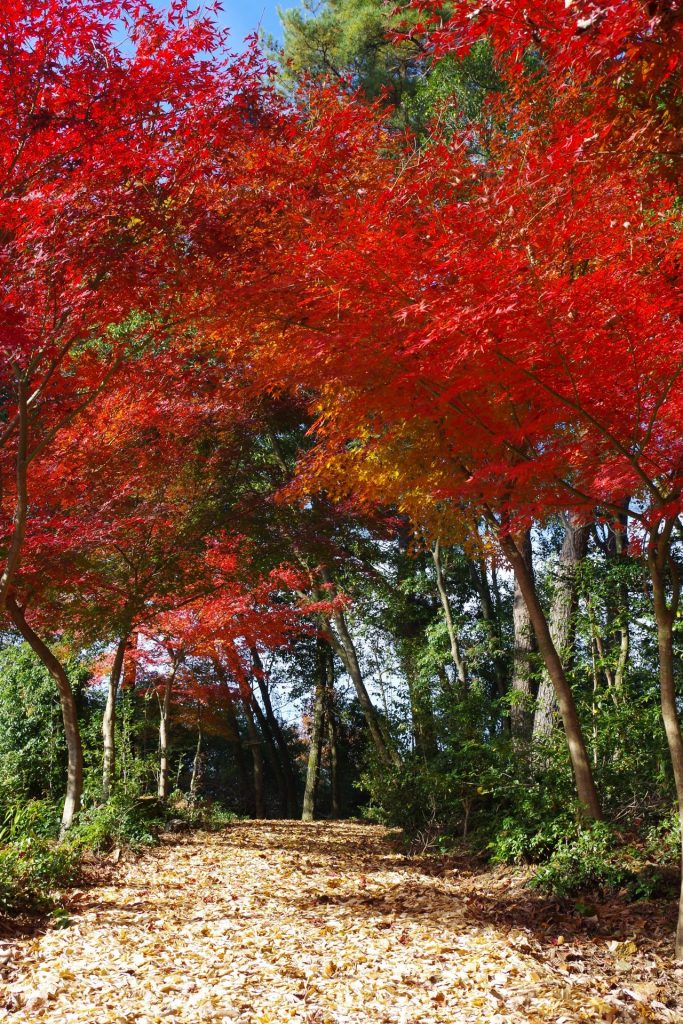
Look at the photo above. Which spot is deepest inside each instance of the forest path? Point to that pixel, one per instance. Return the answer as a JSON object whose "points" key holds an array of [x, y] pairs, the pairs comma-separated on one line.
{"points": [[330, 923]]}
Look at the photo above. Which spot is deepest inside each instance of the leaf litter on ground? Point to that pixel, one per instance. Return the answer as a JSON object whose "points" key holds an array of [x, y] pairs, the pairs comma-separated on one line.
{"points": [[333, 923]]}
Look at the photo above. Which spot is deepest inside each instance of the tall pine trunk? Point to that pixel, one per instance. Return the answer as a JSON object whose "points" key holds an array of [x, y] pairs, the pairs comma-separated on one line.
{"points": [[272, 754], [618, 607], [583, 773], [333, 748], [254, 741], [454, 640], [109, 719], [490, 604], [278, 736], [164, 730], [74, 775], [666, 588], [332, 734], [563, 611], [236, 740], [345, 648], [196, 763], [313, 766], [524, 648]]}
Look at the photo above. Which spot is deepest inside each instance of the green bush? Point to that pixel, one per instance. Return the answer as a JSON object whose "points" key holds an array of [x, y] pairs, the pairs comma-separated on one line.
{"points": [[595, 860], [199, 812], [123, 821], [663, 840], [531, 840], [32, 746], [35, 818], [31, 869]]}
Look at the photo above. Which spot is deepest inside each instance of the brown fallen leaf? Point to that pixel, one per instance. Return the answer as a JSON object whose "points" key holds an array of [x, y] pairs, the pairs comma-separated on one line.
{"points": [[230, 927]]}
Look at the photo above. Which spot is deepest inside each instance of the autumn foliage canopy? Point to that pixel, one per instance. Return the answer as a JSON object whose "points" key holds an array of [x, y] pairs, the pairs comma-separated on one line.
{"points": [[470, 331]]}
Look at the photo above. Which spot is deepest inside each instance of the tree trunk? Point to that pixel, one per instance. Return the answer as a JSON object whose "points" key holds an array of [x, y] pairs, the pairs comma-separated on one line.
{"points": [[583, 774], [236, 740], [278, 736], [332, 734], [109, 719], [562, 621], [618, 608], [490, 613], [420, 696], [256, 755], [196, 764], [21, 504], [333, 747], [74, 777], [660, 558], [272, 754], [521, 711], [164, 727], [456, 653], [345, 648], [308, 811]]}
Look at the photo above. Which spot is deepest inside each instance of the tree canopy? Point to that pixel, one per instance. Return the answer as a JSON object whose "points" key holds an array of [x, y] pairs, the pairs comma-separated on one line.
{"points": [[341, 457]]}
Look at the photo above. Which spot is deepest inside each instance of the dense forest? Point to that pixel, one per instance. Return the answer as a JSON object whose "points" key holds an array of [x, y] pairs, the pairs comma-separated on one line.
{"points": [[341, 461]]}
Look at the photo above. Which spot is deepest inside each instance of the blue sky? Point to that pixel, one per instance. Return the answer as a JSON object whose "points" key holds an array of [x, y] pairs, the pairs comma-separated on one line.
{"points": [[244, 16]]}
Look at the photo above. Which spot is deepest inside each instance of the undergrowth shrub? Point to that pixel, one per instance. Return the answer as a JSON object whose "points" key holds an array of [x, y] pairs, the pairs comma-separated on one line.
{"points": [[123, 821], [30, 871], [198, 812], [598, 861]]}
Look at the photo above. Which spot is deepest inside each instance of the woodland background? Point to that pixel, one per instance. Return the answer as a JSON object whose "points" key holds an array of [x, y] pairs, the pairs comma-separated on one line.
{"points": [[341, 431]]}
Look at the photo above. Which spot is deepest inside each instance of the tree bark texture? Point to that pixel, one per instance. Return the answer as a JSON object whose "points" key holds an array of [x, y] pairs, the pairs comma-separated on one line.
{"points": [[74, 775], [109, 719], [456, 652], [254, 741], [313, 767], [583, 774], [666, 588], [278, 736], [563, 611], [345, 648], [524, 648], [164, 730]]}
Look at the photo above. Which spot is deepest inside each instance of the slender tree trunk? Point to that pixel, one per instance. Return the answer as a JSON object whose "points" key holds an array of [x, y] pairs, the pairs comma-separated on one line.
{"points": [[345, 648], [421, 704], [583, 774], [490, 613], [164, 730], [660, 559], [239, 753], [21, 503], [272, 754], [521, 712], [618, 609], [109, 719], [456, 653], [256, 755], [308, 811], [562, 621], [278, 736], [333, 747], [196, 764], [74, 777], [332, 734], [236, 737], [410, 636]]}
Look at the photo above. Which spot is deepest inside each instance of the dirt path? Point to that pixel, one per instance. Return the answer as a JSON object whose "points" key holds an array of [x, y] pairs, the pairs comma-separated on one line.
{"points": [[271, 922]]}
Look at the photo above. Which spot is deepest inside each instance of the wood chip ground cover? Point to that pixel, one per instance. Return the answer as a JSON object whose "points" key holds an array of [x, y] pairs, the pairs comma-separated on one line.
{"points": [[275, 922]]}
